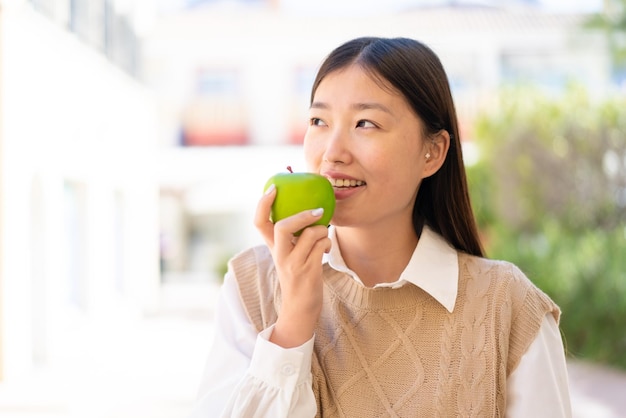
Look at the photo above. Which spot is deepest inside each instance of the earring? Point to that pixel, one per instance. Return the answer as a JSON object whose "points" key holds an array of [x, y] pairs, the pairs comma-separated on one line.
{"points": [[427, 155]]}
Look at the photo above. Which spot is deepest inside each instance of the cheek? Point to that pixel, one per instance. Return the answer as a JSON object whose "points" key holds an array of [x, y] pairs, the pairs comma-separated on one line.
{"points": [[312, 153], [405, 171]]}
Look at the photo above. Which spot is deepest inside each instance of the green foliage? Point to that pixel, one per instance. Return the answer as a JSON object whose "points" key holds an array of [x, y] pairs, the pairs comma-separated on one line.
{"points": [[550, 195], [612, 21]]}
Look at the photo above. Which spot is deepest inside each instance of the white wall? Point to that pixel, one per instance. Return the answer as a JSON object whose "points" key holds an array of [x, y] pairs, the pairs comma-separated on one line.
{"points": [[78, 146]]}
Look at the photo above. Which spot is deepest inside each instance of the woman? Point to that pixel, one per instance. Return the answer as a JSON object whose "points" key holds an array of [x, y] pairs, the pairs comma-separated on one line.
{"points": [[393, 310]]}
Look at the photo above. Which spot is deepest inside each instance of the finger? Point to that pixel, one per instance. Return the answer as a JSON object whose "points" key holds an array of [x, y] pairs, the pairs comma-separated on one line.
{"points": [[285, 229], [262, 216], [313, 236], [317, 252]]}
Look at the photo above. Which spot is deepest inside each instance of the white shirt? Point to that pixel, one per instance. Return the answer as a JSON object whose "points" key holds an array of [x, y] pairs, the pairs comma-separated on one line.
{"points": [[247, 376]]}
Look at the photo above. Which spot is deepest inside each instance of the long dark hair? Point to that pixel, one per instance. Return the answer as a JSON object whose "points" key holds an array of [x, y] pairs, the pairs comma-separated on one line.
{"points": [[415, 70]]}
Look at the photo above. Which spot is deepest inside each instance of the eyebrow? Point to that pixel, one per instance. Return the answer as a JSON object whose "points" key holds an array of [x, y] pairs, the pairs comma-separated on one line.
{"points": [[356, 106]]}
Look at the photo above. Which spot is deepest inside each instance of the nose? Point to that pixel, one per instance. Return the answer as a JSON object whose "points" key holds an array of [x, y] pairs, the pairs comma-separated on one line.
{"points": [[337, 149]]}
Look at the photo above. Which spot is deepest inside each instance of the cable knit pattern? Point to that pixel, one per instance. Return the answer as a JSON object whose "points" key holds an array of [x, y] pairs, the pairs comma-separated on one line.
{"points": [[399, 353], [445, 375], [474, 354]]}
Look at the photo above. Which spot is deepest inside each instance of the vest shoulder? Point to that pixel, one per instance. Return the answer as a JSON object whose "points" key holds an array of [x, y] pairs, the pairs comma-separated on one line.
{"points": [[259, 253], [253, 263], [251, 253], [497, 269], [507, 276]]}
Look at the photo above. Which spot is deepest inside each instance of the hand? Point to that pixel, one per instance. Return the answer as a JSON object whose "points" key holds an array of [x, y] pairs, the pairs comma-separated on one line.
{"points": [[298, 264]]}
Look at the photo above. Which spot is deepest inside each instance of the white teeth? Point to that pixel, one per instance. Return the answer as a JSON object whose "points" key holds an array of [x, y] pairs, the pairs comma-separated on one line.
{"points": [[346, 182]]}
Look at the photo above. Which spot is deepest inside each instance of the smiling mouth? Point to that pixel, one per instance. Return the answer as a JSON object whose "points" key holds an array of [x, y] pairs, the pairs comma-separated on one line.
{"points": [[345, 183]]}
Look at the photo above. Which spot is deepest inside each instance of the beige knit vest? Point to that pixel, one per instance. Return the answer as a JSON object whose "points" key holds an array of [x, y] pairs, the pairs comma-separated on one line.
{"points": [[398, 352]]}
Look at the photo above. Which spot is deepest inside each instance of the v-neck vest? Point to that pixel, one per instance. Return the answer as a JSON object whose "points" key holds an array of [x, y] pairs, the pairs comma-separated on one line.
{"points": [[383, 352]]}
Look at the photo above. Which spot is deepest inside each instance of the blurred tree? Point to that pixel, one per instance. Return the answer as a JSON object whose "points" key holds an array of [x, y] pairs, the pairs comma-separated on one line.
{"points": [[612, 20], [565, 158], [550, 195]]}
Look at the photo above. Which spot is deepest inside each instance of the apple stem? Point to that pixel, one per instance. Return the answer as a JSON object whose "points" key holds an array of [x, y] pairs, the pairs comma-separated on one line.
{"points": [[289, 169]]}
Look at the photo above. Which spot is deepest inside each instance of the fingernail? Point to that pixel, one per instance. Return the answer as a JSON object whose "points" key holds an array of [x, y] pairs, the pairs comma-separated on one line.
{"points": [[270, 189], [317, 212]]}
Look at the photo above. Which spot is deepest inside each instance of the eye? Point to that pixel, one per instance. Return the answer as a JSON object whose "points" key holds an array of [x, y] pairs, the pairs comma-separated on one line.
{"points": [[317, 122], [365, 124]]}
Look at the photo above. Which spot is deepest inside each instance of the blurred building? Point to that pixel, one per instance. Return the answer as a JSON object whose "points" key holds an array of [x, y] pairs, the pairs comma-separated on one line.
{"points": [[239, 72], [78, 218], [233, 81]]}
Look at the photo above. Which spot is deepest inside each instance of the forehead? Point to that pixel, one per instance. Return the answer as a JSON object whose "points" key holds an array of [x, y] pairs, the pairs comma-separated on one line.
{"points": [[355, 76], [357, 88]]}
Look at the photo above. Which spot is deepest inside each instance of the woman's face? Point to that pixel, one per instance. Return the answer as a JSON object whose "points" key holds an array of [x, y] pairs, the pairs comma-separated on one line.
{"points": [[368, 141]]}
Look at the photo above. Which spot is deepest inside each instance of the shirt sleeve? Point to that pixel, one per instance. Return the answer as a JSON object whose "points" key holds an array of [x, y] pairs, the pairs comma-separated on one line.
{"points": [[248, 376], [539, 386]]}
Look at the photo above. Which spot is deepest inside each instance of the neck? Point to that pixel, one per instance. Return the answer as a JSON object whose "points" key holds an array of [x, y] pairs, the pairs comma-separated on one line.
{"points": [[376, 256]]}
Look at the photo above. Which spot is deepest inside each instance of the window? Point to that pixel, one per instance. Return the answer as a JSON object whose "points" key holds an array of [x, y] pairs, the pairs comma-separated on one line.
{"points": [[74, 246], [216, 114]]}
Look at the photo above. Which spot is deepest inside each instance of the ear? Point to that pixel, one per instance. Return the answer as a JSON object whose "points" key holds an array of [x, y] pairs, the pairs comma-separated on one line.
{"points": [[435, 152]]}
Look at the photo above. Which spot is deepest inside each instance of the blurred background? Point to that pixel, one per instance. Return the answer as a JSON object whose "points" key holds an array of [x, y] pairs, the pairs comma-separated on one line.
{"points": [[136, 137]]}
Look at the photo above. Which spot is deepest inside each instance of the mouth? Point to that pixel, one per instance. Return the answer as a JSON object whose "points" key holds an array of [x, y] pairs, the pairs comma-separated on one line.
{"points": [[346, 183]]}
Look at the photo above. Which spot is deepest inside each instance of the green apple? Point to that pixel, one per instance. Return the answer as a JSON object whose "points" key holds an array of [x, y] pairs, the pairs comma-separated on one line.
{"points": [[297, 192]]}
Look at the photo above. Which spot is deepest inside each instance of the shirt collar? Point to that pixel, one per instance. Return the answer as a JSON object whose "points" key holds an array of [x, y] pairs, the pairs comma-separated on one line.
{"points": [[433, 267]]}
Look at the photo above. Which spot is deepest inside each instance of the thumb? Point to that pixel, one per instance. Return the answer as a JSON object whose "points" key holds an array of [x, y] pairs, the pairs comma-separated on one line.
{"points": [[262, 216]]}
